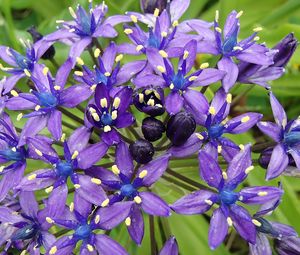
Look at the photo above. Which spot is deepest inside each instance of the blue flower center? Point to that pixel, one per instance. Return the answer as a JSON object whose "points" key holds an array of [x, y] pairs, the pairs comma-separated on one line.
{"points": [[230, 42], [215, 131], [25, 233], [292, 138], [106, 119], [12, 155], [22, 61], [153, 41], [179, 81], [64, 169], [47, 99], [228, 197], [127, 190], [85, 21], [83, 231], [101, 78]]}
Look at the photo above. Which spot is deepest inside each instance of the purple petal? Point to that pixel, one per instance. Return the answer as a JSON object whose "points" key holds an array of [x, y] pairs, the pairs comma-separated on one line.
{"points": [[270, 129], [85, 160], [170, 247], [178, 8], [174, 102], [90, 191], [296, 156], [63, 73], [125, 96], [11, 81], [79, 139], [260, 195], [218, 229], [106, 246], [105, 30], [196, 102], [208, 76], [211, 149], [125, 120], [124, 160], [246, 120], [81, 205], [154, 58], [262, 245], [147, 80], [56, 202], [127, 48], [155, 169], [19, 103], [197, 202], [278, 162], [242, 222], [255, 54], [78, 47], [209, 169], [232, 71], [64, 245], [154, 205], [7, 216], [113, 215], [109, 56], [283, 230], [230, 24], [55, 125], [28, 203], [74, 95], [278, 111], [136, 228], [129, 70], [191, 48]]}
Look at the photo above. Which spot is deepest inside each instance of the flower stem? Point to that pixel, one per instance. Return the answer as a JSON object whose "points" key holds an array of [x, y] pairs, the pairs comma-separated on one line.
{"points": [[152, 235]]}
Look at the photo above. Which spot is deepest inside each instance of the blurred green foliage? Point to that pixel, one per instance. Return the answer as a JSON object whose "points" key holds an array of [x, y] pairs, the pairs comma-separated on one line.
{"points": [[277, 17]]}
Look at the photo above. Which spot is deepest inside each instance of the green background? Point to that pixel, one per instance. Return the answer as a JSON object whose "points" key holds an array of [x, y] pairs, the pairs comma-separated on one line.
{"points": [[277, 17]]}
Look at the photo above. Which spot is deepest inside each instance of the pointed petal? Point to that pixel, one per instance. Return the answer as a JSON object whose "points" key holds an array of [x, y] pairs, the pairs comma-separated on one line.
{"points": [[208, 76], [28, 203], [195, 102], [170, 247], [262, 245], [75, 95], [174, 103], [124, 160], [270, 129], [79, 139], [55, 124], [278, 111], [178, 8], [260, 194], [232, 71], [107, 246], [218, 229], [278, 162]]}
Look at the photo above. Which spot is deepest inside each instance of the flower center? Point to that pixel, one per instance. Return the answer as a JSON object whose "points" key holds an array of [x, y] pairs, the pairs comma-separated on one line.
{"points": [[128, 190], [22, 61], [83, 231], [64, 169], [178, 80], [228, 197], [230, 42], [47, 99], [153, 41], [12, 154], [215, 131], [25, 233], [292, 138], [85, 21], [106, 119]]}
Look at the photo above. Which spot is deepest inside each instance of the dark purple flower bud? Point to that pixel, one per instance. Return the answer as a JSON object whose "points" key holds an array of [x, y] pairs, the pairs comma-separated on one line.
{"points": [[265, 157], [288, 246], [149, 6], [141, 151], [36, 36], [152, 129], [286, 48], [180, 127], [150, 101]]}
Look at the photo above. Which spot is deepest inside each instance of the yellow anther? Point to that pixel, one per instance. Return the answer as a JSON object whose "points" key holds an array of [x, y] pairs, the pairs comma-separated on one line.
{"points": [[27, 73], [151, 102], [175, 23], [157, 94], [219, 30], [219, 148], [262, 193], [45, 70], [77, 186], [93, 87], [38, 152], [161, 69], [75, 154], [217, 16], [97, 52], [128, 221], [53, 250], [1, 168], [96, 181], [249, 169], [163, 53], [172, 86], [103, 102], [256, 222], [200, 137], [72, 12], [139, 48], [245, 119], [31, 177], [212, 110], [242, 147], [56, 87], [116, 102], [229, 98], [106, 128], [78, 73], [185, 54], [90, 247], [156, 12], [49, 220], [204, 65], [14, 149], [59, 21], [97, 219], [137, 199], [105, 203], [257, 29], [49, 189], [256, 38], [240, 13], [95, 116], [209, 202], [79, 61], [72, 30], [193, 78], [14, 93], [141, 98], [115, 169], [23, 252], [143, 174], [71, 207], [225, 176], [164, 34], [229, 221], [114, 115], [134, 18], [119, 57], [128, 31], [37, 107], [107, 74], [148, 92], [20, 116]]}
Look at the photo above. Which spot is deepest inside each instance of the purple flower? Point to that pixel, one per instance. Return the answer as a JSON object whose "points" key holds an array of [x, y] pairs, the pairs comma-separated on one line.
{"points": [[265, 229], [109, 113], [105, 73], [286, 135], [126, 187], [262, 74], [77, 155], [288, 246], [46, 99], [85, 27], [179, 81], [10, 153], [170, 247], [84, 224], [228, 46], [229, 212], [21, 65], [28, 228]]}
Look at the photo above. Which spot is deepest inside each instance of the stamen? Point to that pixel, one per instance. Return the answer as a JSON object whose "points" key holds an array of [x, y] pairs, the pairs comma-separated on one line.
{"points": [[59, 21], [148, 92], [237, 48], [256, 222], [105, 203], [93, 87], [72, 12], [20, 116], [141, 98], [163, 53], [38, 152], [156, 12], [257, 29], [77, 186], [209, 202], [164, 34], [119, 58], [115, 169], [74, 155], [37, 107], [212, 110], [200, 137], [262, 193], [185, 54], [139, 47], [175, 23], [23, 252], [96, 181], [116, 102], [229, 98], [204, 65], [217, 16], [79, 61], [71, 207], [193, 78], [219, 148], [78, 73], [49, 189], [96, 116], [225, 176], [56, 87], [134, 18], [97, 219], [72, 30], [219, 30], [245, 119], [49, 220], [103, 102], [249, 169], [137, 199], [229, 221], [128, 221], [1, 168], [161, 69], [31, 177], [128, 31], [27, 73], [242, 147], [143, 174], [97, 52], [256, 38], [151, 102], [240, 13], [45, 70], [14, 93], [53, 250], [107, 129], [90, 247], [172, 86], [114, 115], [107, 74]]}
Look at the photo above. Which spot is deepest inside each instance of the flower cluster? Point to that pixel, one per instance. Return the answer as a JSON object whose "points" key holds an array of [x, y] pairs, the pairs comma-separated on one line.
{"points": [[82, 145]]}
